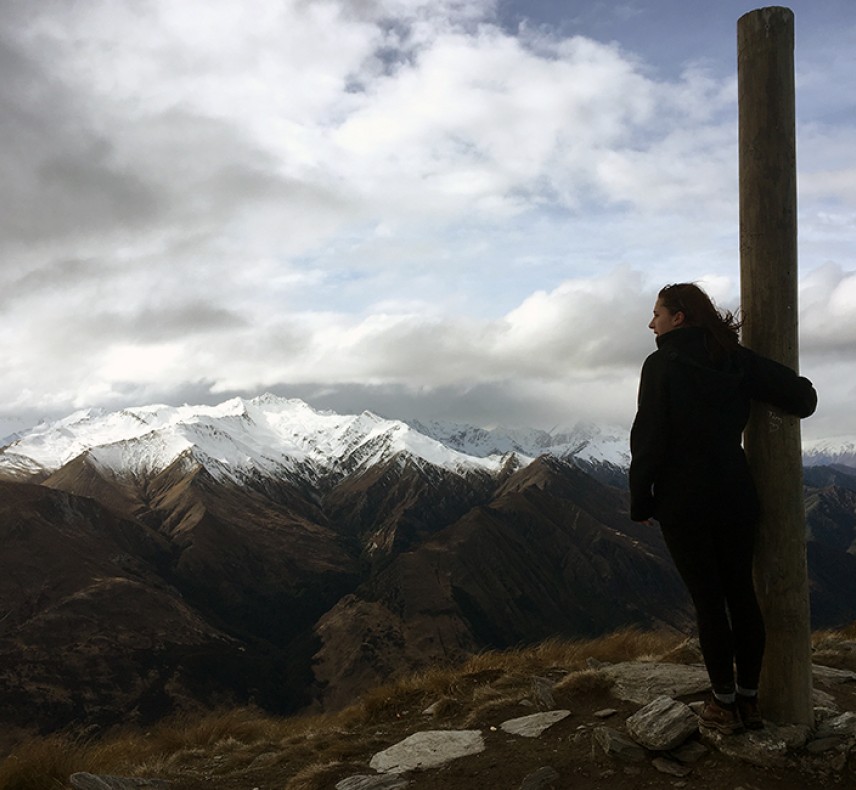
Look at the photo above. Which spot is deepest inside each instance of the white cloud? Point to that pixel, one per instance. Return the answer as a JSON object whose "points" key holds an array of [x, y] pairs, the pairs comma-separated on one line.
{"points": [[396, 197]]}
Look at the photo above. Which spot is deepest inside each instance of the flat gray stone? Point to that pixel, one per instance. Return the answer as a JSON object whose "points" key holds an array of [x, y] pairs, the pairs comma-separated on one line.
{"points": [[820, 745], [372, 782], [642, 682], [832, 676], [428, 749], [662, 724], [541, 779], [605, 713], [87, 781], [617, 745], [767, 748], [533, 725], [843, 724], [822, 699], [671, 767]]}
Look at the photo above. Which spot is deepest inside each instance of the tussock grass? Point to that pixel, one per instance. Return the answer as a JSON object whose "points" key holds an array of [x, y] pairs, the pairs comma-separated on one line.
{"points": [[44, 764], [316, 776], [835, 648], [486, 711], [305, 752], [584, 682]]}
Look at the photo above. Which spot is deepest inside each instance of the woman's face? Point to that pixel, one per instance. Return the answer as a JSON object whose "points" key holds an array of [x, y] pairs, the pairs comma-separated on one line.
{"points": [[663, 320]]}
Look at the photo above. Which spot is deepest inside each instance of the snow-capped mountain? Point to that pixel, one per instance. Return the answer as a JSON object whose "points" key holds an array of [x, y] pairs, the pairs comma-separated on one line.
{"points": [[266, 435], [273, 436], [583, 442], [829, 452], [270, 436]]}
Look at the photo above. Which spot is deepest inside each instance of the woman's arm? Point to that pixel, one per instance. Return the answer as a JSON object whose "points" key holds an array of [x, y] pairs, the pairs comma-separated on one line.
{"points": [[774, 383], [648, 437]]}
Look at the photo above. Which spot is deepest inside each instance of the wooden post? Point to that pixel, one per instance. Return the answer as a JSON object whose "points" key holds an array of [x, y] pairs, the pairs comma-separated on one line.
{"points": [[768, 275]]}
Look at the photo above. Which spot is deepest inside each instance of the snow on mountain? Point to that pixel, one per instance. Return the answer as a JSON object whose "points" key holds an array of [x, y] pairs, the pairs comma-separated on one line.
{"points": [[584, 441], [826, 452], [267, 435], [275, 436]]}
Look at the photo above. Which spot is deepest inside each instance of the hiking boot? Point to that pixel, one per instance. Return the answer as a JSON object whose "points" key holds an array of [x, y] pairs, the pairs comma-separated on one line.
{"points": [[721, 717], [749, 712]]}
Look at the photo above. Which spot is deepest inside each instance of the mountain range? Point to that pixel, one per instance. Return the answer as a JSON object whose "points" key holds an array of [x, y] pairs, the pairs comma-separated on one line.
{"points": [[167, 558]]}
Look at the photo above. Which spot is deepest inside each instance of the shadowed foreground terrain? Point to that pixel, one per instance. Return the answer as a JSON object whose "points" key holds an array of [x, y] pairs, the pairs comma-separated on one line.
{"points": [[246, 748]]}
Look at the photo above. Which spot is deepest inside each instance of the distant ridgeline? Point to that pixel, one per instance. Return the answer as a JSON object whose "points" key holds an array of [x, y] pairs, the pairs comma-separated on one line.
{"points": [[160, 558]]}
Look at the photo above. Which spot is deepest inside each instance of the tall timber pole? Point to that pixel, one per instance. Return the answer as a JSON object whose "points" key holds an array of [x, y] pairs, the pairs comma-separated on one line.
{"points": [[768, 275]]}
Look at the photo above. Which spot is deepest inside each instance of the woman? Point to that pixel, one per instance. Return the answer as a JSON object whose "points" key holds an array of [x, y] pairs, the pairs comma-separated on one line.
{"points": [[689, 472]]}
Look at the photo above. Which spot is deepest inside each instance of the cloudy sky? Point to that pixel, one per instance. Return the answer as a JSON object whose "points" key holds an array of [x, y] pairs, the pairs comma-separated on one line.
{"points": [[453, 209]]}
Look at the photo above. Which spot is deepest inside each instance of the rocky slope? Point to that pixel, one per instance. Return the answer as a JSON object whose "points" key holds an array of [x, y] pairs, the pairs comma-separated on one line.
{"points": [[617, 713]]}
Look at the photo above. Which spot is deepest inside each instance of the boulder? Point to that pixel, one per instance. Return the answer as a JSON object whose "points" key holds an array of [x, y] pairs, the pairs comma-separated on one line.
{"points": [[617, 745], [642, 682], [533, 725], [662, 724], [428, 749], [843, 725]]}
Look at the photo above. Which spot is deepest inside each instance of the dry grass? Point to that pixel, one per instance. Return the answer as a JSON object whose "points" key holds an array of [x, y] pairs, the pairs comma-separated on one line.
{"points": [[315, 776], [305, 751], [585, 682], [39, 765], [835, 648]]}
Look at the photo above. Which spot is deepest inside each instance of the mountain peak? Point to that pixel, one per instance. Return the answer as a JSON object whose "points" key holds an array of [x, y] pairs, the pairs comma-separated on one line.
{"points": [[266, 435]]}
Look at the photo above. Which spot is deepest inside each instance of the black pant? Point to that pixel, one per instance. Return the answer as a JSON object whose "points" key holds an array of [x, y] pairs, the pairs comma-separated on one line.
{"points": [[715, 562]]}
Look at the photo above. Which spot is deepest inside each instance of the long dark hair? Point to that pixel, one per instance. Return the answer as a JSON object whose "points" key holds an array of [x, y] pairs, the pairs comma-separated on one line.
{"points": [[721, 327]]}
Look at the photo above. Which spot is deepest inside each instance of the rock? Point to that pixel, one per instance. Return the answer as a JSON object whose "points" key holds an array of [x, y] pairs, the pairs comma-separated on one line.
{"points": [[662, 724], [372, 782], [605, 713], [822, 713], [767, 748], [86, 781], [689, 752], [795, 736], [671, 767], [533, 725], [642, 682], [830, 676], [542, 691], [541, 779], [617, 745], [820, 745], [428, 749], [843, 724], [822, 699]]}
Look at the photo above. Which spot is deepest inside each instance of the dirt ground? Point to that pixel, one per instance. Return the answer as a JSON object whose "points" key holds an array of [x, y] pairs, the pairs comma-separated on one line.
{"points": [[567, 747]]}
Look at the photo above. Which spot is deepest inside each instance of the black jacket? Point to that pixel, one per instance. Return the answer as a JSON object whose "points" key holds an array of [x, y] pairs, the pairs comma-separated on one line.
{"points": [[687, 460]]}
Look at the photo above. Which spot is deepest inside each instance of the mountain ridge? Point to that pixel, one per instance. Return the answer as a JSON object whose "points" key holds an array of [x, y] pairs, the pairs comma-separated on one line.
{"points": [[279, 436], [302, 555]]}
